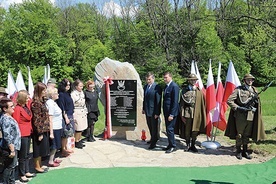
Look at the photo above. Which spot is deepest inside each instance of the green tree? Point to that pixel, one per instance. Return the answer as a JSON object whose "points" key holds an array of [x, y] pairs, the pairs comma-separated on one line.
{"points": [[30, 36]]}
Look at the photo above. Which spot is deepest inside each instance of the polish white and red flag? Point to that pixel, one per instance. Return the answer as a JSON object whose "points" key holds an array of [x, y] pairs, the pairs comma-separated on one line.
{"points": [[232, 81], [210, 100], [217, 120], [199, 83]]}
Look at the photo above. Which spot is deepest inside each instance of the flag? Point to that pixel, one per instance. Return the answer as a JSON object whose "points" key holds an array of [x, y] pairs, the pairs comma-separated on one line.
{"points": [[30, 83], [48, 72], [210, 100], [11, 89], [45, 78], [20, 85], [232, 81], [217, 121], [199, 83]]}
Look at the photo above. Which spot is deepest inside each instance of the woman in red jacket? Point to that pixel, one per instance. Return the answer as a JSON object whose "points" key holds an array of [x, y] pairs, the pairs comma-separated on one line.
{"points": [[23, 115]]}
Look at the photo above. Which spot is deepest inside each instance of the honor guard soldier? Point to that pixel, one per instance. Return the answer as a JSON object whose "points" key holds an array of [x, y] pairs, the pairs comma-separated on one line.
{"points": [[245, 119], [192, 110]]}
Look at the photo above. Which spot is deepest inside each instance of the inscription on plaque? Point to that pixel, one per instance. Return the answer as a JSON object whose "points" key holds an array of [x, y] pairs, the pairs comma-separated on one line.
{"points": [[123, 96]]}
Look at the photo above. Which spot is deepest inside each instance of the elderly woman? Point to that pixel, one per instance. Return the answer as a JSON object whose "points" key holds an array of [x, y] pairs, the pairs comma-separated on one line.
{"points": [[10, 141], [55, 116], [91, 101], [23, 115], [80, 112], [41, 127], [65, 103]]}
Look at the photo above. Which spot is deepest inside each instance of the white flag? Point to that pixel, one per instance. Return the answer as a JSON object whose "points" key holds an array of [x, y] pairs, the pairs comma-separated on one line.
{"points": [[48, 72], [11, 85], [45, 78], [30, 83], [20, 82], [195, 71]]}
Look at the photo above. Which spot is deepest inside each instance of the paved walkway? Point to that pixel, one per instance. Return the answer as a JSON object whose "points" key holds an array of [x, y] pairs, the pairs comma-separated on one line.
{"points": [[123, 153]]}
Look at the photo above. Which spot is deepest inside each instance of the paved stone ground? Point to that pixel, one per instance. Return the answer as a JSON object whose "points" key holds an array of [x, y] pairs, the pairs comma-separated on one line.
{"points": [[123, 153]]}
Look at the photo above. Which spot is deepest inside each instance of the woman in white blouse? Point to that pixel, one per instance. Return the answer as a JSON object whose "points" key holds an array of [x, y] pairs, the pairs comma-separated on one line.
{"points": [[55, 116]]}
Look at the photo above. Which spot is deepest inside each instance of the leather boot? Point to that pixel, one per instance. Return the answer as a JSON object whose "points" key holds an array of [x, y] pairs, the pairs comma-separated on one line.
{"points": [[188, 146], [91, 133], [245, 153], [193, 148], [238, 152]]}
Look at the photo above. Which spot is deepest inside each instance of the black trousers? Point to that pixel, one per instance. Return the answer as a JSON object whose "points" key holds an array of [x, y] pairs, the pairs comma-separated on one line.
{"points": [[153, 128], [24, 155], [9, 169]]}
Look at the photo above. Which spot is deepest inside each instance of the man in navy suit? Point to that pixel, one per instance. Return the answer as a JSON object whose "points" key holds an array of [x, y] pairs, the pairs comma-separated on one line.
{"points": [[152, 107], [170, 109]]}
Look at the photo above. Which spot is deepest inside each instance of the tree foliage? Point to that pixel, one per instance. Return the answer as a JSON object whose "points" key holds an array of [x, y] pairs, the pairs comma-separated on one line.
{"points": [[155, 36]]}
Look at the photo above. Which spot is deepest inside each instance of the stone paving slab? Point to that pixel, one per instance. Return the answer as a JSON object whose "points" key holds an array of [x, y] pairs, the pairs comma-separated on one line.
{"points": [[124, 153]]}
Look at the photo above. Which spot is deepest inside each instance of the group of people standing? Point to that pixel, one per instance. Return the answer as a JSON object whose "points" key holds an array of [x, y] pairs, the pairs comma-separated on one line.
{"points": [[45, 121], [187, 109]]}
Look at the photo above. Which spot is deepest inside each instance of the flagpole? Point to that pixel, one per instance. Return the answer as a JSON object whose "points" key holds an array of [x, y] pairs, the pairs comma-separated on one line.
{"points": [[216, 124], [211, 144]]}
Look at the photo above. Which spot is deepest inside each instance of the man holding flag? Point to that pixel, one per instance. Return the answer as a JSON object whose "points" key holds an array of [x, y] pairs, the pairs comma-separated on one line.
{"points": [[192, 111], [245, 120]]}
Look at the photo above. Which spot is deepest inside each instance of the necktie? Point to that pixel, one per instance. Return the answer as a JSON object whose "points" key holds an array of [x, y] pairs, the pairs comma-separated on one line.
{"points": [[148, 87]]}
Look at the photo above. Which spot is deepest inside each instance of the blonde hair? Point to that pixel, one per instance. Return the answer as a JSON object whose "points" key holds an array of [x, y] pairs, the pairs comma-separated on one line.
{"points": [[22, 97], [51, 91]]}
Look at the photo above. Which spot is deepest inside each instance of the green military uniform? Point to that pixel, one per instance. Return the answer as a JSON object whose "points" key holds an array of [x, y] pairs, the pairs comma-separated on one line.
{"points": [[192, 110], [244, 121]]}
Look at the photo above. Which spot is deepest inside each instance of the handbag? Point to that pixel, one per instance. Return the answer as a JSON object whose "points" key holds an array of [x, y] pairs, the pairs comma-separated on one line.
{"points": [[4, 152], [68, 130]]}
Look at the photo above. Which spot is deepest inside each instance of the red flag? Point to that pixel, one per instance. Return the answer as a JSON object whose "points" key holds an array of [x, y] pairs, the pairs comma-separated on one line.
{"points": [[217, 121], [232, 81], [210, 100]]}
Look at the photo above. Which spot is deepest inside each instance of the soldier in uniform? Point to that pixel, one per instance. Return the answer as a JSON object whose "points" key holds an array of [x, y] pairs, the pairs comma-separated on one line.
{"points": [[192, 110], [245, 120]]}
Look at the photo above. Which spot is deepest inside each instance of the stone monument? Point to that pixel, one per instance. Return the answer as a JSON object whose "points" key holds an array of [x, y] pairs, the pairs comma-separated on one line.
{"points": [[122, 71]]}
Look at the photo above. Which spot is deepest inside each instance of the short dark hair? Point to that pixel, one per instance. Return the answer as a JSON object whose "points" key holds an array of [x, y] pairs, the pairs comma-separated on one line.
{"points": [[168, 73], [150, 74], [62, 85], [4, 103]]}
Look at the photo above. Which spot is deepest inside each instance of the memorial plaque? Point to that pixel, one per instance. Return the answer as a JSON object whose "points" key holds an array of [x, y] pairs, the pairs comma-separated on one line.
{"points": [[123, 102]]}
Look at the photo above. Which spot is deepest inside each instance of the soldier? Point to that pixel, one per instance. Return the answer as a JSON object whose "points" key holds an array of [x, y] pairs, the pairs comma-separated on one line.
{"points": [[245, 120], [192, 109]]}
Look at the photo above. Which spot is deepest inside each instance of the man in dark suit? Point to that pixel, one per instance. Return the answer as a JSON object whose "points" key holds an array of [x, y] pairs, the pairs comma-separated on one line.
{"points": [[152, 107], [170, 109]]}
